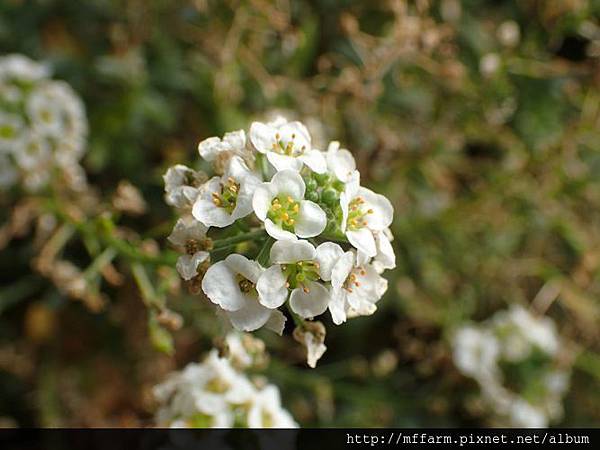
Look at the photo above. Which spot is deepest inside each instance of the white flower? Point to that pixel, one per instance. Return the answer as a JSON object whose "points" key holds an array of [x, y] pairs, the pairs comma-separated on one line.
{"points": [[35, 152], [182, 186], [280, 204], [19, 67], [11, 127], [203, 394], [476, 353], [223, 200], [364, 213], [266, 411], [340, 162], [232, 284], [523, 414], [294, 269], [189, 236], [355, 288], [233, 143], [8, 173], [287, 145]]}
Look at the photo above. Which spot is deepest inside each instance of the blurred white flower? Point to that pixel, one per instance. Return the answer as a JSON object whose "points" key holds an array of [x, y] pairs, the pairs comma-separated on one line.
{"points": [[214, 394], [287, 145], [476, 352], [19, 67], [281, 206], [512, 338], [266, 411]]}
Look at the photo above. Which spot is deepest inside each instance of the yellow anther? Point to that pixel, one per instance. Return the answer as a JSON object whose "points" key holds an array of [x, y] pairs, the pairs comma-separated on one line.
{"points": [[291, 222], [276, 206], [285, 216], [290, 199], [370, 211], [296, 208], [363, 272]]}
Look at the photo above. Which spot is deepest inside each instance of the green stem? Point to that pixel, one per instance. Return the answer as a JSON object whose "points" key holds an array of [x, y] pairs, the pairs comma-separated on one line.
{"points": [[149, 296], [226, 242]]}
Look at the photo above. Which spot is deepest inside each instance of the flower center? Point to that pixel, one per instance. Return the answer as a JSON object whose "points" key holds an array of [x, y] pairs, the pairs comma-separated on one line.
{"points": [[246, 286], [284, 212], [217, 386], [7, 131], [356, 214], [227, 198], [352, 281], [288, 148], [200, 420], [300, 273]]}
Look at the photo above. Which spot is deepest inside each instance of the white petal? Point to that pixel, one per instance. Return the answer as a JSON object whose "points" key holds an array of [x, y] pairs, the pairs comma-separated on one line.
{"points": [[385, 258], [340, 161], [235, 140], [262, 198], [312, 303], [220, 285], [383, 211], [276, 321], [302, 136], [289, 182], [271, 287], [315, 348], [342, 270], [187, 265], [353, 185], [210, 214], [328, 254], [262, 136], [210, 148], [284, 162], [276, 232], [251, 317], [285, 252], [337, 306], [363, 240], [311, 221], [315, 160], [345, 205], [247, 268]]}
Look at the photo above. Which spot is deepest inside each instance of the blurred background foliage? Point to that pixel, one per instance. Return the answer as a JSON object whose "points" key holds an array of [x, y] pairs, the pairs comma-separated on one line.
{"points": [[480, 120]]}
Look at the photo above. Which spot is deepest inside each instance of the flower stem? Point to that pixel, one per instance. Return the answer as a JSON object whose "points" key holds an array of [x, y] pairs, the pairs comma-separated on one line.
{"points": [[226, 242]]}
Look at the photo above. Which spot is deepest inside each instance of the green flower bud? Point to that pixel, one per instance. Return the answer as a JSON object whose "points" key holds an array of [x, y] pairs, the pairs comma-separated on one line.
{"points": [[313, 196], [311, 184], [338, 185], [322, 178], [330, 197]]}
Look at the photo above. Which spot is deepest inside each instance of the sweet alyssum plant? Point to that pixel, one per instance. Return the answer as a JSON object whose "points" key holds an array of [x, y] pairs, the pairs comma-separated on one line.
{"points": [[520, 363], [301, 233], [217, 393]]}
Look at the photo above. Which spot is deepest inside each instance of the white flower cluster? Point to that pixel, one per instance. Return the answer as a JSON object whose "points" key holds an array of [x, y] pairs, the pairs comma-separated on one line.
{"points": [[43, 126], [304, 199], [216, 394], [516, 359]]}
